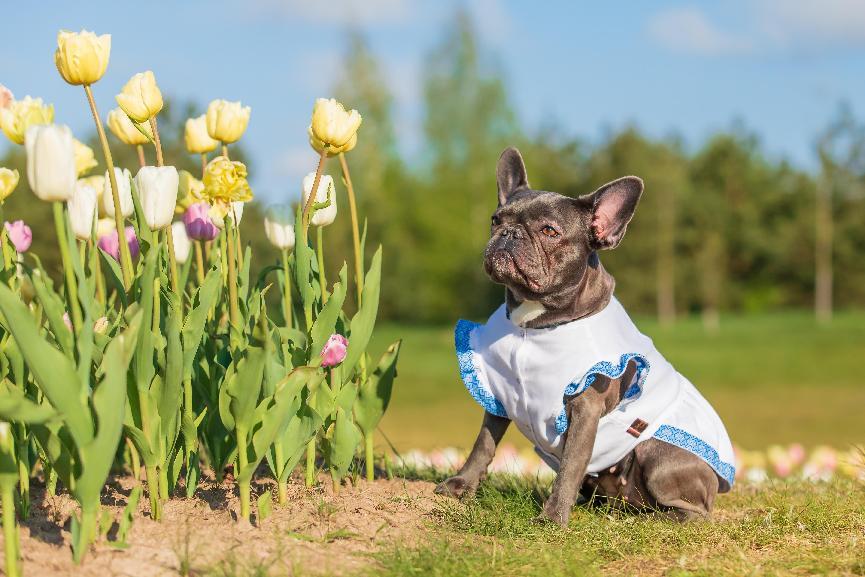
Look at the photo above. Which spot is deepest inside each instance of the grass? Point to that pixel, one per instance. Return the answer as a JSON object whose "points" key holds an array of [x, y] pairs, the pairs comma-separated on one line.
{"points": [[774, 378], [782, 529]]}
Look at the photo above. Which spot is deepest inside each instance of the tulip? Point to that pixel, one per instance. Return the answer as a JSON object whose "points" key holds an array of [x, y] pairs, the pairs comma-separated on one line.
{"points": [[227, 121], [334, 350], [332, 128], [104, 226], [8, 182], [51, 161], [199, 225], [19, 115], [82, 209], [101, 325], [198, 141], [82, 57], [111, 245], [236, 210], [325, 192], [84, 158], [125, 130], [225, 181], [157, 190], [6, 97], [124, 191], [182, 244], [140, 98], [279, 226], [20, 235], [97, 181], [189, 191]]}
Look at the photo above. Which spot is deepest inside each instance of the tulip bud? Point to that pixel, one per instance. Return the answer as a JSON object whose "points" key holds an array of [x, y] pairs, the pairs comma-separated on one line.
{"points": [[236, 210], [123, 128], [82, 57], [157, 191], [124, 191], [189, 191], [110, 244], [19, 115], [82, 209], [84, 158], [101, 325], [182, 244], [198, 141], [199, 225], [6, 97], [325, 192], [20, 235], [104, 226], [332, 128], [227, 121], [140, 98], [334, 350], [8, 182], [50, 162], [279, 226]]}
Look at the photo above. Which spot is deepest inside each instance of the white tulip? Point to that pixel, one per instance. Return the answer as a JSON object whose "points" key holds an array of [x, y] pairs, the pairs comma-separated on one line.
{"points": [[124, 191], [82, 209], [279, 226], [51, 161], [237, 211], [157, 191], [326, 189], [182, 244]]}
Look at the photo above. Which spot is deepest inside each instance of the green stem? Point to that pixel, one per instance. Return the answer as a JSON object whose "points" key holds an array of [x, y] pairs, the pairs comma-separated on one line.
{"points": [[172, 260], [23, 443], [125, 255], [368, 457], [310, 201], [11, 544], [87, 532], [136, 461], [234, 310], [310, 463], [203, 163], [319, 253], [242, 464], [66, 258], [355, 230], [279, 461], [286, 296], [199, 262]]}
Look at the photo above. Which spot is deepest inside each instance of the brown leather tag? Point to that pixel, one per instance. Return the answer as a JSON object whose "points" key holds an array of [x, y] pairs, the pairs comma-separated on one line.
{"points": [[637, 427]]}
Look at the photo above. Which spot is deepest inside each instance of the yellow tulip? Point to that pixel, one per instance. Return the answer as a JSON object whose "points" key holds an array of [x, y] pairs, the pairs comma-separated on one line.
{"points": [[332, 128], [8, 182], [82, 57], [125, 130], [225, 182], [84, 158], [140, 98], [190, 191], [16, 118], [227, 121], [198, 141]]}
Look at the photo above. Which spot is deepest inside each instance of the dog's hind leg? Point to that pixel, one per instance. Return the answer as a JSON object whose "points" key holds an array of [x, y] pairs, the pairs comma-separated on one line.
{"points": [[679, 483]]}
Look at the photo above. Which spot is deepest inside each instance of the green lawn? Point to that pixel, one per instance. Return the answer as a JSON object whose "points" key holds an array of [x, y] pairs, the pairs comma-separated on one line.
{"points": [[773, 378]]}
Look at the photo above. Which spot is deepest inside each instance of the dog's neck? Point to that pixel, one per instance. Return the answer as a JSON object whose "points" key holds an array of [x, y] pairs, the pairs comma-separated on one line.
{"points": [[589, 296]]}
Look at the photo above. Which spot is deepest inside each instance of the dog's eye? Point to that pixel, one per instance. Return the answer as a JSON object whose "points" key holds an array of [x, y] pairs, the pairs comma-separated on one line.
{"points": [[495, 220], [550, 231]]}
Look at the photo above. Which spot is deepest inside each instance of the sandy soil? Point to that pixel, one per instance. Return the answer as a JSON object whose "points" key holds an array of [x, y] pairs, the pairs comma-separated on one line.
{"points": [[314, 532]]}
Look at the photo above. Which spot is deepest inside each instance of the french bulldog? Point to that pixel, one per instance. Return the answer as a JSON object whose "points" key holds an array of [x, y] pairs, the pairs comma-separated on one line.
{"points": [[544, 249]]}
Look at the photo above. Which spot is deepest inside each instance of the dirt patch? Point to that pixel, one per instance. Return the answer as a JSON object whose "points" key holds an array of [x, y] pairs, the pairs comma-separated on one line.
{"points": [[315, 532]]}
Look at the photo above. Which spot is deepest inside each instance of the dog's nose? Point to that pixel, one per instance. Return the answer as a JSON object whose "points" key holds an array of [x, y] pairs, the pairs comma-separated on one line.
{"points": [[514, 233]]}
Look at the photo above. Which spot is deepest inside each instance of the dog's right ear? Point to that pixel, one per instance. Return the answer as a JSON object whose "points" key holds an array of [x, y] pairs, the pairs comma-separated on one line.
{"points": [[510, 174]]}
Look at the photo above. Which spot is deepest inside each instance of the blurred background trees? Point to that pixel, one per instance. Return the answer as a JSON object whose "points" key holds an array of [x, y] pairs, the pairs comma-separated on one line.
{"points": [[722, 226]]}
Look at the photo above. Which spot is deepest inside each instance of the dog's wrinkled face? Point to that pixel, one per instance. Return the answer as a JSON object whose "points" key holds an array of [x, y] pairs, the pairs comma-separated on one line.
{"points": [[542, 242]]}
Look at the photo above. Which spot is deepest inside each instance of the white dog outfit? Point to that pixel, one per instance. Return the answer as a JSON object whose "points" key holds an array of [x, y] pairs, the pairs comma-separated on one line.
{"points": [[526, 374]]}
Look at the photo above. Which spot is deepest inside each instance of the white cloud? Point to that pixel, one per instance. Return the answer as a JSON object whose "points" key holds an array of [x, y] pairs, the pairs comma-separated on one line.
{"points": [[336, 12], [797, 24], [688, 30], [493, 21]]}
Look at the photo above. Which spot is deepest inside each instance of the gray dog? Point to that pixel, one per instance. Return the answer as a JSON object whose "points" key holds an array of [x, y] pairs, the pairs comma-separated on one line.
{"points": [[563, 361]]}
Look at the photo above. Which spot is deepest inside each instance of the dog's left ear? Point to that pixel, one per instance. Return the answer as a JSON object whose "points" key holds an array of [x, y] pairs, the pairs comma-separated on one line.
{"points": [[613, 206], [510, 174]]}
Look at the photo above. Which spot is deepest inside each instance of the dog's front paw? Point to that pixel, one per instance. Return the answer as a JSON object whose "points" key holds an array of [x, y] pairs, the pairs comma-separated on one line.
{"points": [[458, 487], [553, 514]]}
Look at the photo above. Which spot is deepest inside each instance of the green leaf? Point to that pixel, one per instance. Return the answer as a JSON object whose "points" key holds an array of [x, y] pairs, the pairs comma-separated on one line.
{"points": [[15, 406], [340, 444], [303, 259], [196, 319], [363, 321], [245, 388], [373, 396], [128, 515], [265, 506], [324, 324], [111, 270]]}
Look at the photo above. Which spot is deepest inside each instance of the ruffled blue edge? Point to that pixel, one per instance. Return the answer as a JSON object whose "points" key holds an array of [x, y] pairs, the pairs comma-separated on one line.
{"points": [[685, 440], [469, 372], [610, 370]]}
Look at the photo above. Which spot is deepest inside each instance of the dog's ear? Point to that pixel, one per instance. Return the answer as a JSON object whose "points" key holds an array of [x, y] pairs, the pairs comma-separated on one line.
{"points": [[510, 174], [613, 206]]}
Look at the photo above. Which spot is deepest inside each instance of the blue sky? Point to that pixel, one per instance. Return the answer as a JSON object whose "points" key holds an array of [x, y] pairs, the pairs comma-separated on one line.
{"points": [[692, 68]]}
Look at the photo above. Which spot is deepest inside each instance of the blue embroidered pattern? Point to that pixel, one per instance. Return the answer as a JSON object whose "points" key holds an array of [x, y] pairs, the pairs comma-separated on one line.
{"points": [[687, 441], [610, 370], [468, 371]]}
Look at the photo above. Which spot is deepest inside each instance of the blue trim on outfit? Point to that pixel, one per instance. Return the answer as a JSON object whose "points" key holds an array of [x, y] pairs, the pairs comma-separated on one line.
{"points": [[685, 440], [610, 370], [469, 372]]}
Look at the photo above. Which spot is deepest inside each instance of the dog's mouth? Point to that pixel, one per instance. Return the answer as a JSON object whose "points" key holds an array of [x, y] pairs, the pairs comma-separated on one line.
{"points": [[503, 267]]}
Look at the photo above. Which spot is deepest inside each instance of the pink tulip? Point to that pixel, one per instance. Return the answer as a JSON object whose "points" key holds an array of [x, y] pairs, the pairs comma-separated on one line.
{"points": [[334, 350], [67, 321], [797, 453], [199, 226], [110, 244], [6, 97], [20, 235]]}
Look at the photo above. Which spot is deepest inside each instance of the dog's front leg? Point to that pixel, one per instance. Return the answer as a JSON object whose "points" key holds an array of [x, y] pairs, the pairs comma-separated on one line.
{"points": [[475, 468], [584, 413]]}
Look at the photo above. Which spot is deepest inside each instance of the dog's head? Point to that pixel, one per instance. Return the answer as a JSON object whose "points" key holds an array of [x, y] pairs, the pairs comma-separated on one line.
{"points": [[542, 243]]}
